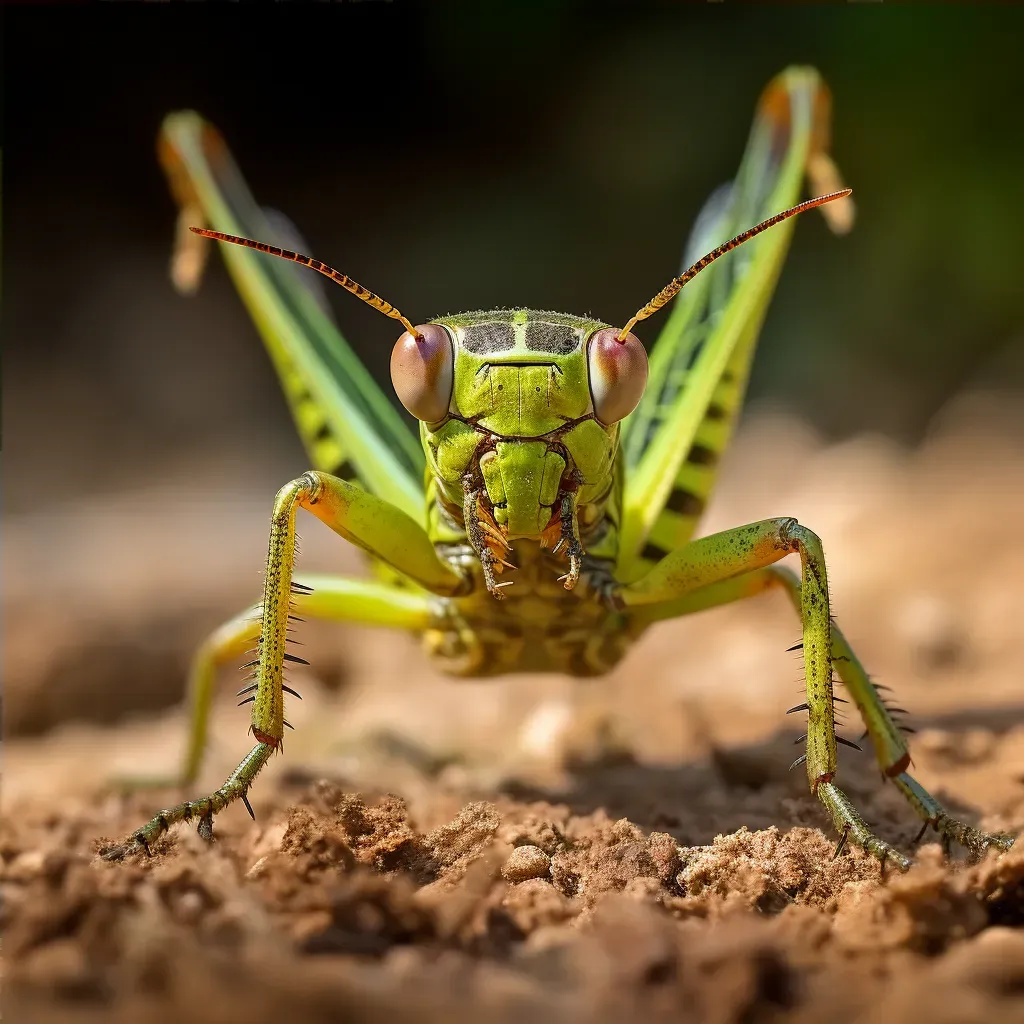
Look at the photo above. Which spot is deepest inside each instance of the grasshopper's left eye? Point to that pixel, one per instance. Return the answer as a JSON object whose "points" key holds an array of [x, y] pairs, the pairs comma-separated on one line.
{"points": [[618, 373], [422, 365]]}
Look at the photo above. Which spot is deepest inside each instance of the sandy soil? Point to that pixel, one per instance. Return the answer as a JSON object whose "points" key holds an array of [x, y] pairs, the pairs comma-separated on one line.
{"points": [[630, 848]]}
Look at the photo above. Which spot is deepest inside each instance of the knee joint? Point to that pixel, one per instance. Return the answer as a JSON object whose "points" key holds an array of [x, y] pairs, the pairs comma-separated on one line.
{"points": [[304, 488], [799, 538], [310, 485]]}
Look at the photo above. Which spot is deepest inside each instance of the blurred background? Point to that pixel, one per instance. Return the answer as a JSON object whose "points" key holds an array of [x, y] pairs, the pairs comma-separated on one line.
{"points": [[452, 156], [455, 157]]}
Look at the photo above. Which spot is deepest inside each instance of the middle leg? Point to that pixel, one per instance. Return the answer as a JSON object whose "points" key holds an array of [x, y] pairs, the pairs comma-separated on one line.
{"points": [[331, 598]]}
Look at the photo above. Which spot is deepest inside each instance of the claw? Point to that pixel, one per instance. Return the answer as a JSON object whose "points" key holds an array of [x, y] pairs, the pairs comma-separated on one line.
{"points": [[205, 827], [119, 851], [976, 842], [841, 844], [572, 577]]}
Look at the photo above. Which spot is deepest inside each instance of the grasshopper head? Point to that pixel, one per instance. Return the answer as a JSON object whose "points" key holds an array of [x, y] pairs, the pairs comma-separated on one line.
{"points": [[518, 373], [522, 407]]}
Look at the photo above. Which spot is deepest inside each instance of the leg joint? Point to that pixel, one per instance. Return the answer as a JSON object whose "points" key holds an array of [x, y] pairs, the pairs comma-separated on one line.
{"points": [[310, 485], [799, 538], [307, 487]]}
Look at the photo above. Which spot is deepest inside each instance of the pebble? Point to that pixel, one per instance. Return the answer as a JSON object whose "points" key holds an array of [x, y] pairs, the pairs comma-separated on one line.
{"points": [[526, 862]]}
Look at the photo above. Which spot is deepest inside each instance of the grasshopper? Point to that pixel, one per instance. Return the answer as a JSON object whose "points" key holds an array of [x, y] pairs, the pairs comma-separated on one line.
{"points": [[545, 517]]}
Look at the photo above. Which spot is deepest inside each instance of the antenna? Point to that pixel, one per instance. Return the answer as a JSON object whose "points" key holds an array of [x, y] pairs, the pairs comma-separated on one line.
{"points": [[337, 276], [673, 287]]}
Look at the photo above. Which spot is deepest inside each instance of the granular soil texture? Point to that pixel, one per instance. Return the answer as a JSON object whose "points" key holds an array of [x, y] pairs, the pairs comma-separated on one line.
{"points": [[631, 849]]}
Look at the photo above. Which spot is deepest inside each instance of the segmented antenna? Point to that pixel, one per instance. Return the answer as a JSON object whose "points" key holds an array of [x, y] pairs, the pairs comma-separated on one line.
{"points": [[337, 276], [672, 288]]}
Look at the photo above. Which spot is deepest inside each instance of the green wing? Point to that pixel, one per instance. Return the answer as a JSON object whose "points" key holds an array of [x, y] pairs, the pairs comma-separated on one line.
{"points": [[347, 424], [701, 361]]}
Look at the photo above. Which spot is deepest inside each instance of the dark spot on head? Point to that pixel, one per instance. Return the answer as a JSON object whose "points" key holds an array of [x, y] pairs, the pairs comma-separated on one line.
{"points": [[559, 339], [481, 339]]}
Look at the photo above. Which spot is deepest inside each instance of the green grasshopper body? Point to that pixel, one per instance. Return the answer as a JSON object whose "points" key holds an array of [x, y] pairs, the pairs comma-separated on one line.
{"points": [[546, 518], [522, 445]]}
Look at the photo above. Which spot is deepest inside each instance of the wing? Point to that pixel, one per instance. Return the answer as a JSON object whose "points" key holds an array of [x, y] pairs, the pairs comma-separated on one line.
{"points": [[701, 361], [348, 425]]}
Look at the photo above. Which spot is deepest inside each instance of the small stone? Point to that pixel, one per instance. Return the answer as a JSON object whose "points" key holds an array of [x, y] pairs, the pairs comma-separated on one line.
{"points": [[526, 862]]}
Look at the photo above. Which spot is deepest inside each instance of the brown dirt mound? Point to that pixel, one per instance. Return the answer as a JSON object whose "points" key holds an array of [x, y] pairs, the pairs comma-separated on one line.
{"points": [[339, 907]]}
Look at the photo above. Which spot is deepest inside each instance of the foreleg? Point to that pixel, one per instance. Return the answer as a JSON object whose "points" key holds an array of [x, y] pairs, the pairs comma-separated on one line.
{"points": [[887, 739], [367, 521], [722, 556]]}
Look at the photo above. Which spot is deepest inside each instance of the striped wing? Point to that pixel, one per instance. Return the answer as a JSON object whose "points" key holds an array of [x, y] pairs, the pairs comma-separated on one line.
{"points": [[348, 425], [701, 361]]}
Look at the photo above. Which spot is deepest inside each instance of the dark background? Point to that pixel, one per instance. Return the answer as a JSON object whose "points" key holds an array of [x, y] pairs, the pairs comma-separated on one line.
{"points": [[455, 156]]}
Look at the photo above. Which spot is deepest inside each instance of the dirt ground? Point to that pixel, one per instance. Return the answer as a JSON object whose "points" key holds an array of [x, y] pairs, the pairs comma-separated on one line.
{"points": [[629, 848]]}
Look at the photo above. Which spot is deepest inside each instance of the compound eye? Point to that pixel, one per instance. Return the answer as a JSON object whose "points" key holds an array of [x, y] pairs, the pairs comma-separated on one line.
{"points": [[421, 372], [618, 373]]}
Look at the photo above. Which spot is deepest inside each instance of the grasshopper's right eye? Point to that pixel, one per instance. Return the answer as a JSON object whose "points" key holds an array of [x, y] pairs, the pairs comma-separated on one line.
{"points": [[422, 365], [618, 373]]}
